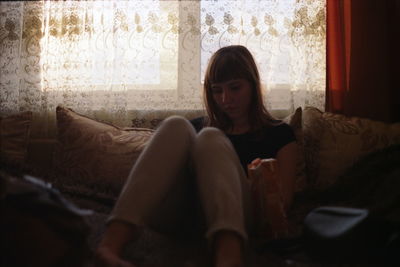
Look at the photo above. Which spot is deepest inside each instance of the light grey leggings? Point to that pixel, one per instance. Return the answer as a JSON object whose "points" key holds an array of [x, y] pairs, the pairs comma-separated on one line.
{"points": [[159, 190]]}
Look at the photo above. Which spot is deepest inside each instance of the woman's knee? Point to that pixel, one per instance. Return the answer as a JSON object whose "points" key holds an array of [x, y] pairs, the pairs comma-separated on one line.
{"points": [[209, 138], [208, 133], [178, 126]]}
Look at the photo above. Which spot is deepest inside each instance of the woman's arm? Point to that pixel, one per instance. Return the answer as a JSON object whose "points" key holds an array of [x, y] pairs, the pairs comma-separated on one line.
{"points": [[287, 160]]}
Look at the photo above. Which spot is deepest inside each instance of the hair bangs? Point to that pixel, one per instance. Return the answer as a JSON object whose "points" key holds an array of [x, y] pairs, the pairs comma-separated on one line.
{"points": [[227, 68]]}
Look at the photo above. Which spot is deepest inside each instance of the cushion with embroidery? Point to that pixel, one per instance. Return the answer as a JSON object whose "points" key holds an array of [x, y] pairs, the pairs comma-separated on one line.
{"points": [[335, 142], [96, 153], [295, 122]]}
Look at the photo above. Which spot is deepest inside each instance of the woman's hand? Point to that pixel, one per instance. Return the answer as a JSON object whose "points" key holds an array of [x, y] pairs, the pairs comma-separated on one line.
{"points": [[256, 162]]}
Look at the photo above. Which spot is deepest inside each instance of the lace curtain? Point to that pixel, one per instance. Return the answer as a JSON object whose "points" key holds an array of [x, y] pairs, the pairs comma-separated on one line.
{"points": [[113, 57]]}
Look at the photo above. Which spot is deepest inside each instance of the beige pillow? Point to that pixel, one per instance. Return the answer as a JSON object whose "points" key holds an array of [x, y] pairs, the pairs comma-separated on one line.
{"points": [[14, 138], [335, 142], [96, 153], [295, 121]]}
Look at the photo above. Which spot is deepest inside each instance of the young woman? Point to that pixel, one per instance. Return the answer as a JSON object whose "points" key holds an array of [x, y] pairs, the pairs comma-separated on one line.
{"points": [[205, 160]]}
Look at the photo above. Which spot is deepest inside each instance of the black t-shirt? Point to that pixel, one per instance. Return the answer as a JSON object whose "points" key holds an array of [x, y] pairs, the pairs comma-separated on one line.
{"points": [[263, 144]]}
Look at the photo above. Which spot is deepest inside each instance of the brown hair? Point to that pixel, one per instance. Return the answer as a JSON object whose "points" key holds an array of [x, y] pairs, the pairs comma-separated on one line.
{"points": [[228, 63]]}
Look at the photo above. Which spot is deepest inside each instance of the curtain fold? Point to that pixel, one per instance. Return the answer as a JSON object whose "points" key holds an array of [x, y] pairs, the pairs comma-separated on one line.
{"points": [[338, 53]]}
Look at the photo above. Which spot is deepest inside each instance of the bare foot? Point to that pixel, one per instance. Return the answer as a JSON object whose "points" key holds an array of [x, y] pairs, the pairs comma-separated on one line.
{"points": [[228, 250], [116, 236], [104, 257]]}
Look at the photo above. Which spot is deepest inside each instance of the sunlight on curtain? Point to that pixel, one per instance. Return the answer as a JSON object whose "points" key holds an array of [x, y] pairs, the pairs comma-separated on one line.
{"points": [[286, 37], [99, 44], [117, 56]]}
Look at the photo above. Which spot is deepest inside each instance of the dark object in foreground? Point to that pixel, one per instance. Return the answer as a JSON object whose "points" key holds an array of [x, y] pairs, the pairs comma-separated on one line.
{"points": [[38, 227], [342, 234]]}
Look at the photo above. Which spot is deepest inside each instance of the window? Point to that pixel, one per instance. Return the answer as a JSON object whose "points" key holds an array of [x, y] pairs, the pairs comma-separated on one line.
{"points": [[130, 55]]}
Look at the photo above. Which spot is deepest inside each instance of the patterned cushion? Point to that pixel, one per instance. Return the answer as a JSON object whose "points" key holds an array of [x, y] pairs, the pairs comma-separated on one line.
{"points": [[335, 142], [14, 138], [295, 121], [96, 153]]}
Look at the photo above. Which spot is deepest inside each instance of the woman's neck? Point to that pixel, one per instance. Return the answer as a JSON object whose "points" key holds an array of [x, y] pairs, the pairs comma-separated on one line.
{"points": [[240, 127]]}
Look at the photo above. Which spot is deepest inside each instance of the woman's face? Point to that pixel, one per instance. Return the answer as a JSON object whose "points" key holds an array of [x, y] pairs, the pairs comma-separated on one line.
{"points": [[233, 97]]}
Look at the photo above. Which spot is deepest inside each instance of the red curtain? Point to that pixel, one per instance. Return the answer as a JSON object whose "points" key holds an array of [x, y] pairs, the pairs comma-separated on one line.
{"points": [[363, 75], [338, 53]]}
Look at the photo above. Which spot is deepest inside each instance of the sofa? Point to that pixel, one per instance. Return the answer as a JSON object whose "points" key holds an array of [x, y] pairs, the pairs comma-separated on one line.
{"points": [[87, 160]]}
